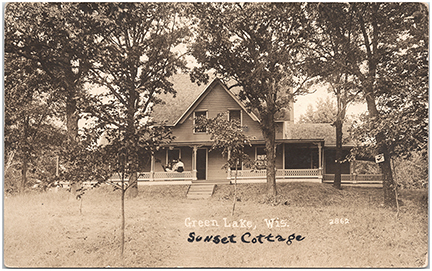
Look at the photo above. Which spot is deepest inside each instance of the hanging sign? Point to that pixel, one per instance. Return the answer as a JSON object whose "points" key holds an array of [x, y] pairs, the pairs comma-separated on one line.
{"points": [[379, 158]]}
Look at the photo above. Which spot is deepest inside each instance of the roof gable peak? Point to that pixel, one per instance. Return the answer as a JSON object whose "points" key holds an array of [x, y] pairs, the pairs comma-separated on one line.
{"points": [[204, 93]]}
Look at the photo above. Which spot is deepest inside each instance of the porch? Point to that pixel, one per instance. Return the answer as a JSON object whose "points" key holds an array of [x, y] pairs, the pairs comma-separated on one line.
{"points": [[296, 161], [243, 176], [256, 176]]}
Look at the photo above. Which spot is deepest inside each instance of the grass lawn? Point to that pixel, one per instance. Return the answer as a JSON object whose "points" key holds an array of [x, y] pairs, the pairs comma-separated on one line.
{"points": [[48, 230]]}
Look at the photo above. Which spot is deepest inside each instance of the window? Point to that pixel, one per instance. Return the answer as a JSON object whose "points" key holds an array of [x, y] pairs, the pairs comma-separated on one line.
{"points": [[261, 158], [199, 114], [239, 166], [235, 115]]}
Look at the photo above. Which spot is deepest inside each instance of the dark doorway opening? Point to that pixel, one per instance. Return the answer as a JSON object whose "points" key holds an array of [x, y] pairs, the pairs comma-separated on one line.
{"points": [[201, 164]]}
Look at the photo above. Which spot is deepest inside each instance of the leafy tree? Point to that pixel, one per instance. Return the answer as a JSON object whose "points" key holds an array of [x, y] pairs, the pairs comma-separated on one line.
{"points": [[58, 41], [325, 112], [30, 106], [258, 46], [135, 61], [334, 46], [411, 172], [227, 136], [55, 37], [372, 49], [393, 71], [85, 162]]}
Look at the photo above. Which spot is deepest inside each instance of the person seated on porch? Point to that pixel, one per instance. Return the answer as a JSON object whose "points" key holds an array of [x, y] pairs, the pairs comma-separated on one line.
{"points": [[179, 166], [167, 168]]}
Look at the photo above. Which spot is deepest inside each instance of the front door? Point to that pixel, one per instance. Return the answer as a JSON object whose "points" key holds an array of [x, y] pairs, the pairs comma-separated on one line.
{"points": [[201, 164]]}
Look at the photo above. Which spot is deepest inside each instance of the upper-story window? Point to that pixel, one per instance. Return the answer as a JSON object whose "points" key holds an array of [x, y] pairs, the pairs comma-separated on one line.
{"points": [[199, 114], [235, 115]]}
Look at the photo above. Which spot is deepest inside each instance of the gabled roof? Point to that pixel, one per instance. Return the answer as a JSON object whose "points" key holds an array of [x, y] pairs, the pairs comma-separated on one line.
{"points": [[203, 94], [188, 94], [317, 130], [173, 107]]}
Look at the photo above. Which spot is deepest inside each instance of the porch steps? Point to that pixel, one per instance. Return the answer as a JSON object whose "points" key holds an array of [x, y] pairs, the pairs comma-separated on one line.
{"points": [[200, 191], [219, 181]]}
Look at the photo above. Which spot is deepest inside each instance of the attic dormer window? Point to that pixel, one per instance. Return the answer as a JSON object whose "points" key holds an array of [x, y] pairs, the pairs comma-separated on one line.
{"points": [[235, 115], [199, 114]]}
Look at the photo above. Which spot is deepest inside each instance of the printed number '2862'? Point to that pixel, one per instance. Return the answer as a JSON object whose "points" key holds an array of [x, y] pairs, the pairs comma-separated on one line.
{"points": [[339, 221]]}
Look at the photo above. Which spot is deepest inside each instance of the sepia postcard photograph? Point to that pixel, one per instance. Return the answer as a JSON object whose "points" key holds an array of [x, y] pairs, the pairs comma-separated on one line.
{"points": [[216, 135]]}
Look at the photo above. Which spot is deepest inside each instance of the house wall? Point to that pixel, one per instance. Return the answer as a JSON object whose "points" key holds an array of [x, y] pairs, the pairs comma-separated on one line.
{"points": [[186, 156], [216, 101], [280, 130], [160, 159], [214, 166]]}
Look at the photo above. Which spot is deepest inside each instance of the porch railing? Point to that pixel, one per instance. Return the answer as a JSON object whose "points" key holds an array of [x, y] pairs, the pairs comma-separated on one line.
{"points": [[300, 172], [280, 173], [357, 178], [160, 176], [185, 175]]}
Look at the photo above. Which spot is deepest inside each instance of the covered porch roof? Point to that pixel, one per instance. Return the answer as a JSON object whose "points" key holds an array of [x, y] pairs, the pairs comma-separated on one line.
{"points": [[253, 142]]}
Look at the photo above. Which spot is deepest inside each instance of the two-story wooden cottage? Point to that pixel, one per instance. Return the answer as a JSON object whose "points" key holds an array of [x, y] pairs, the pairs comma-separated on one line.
{"points": [[305, 152]]}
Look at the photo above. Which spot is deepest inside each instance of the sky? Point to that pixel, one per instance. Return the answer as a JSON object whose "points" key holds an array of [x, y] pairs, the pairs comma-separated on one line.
{"points": [[302, 102]]}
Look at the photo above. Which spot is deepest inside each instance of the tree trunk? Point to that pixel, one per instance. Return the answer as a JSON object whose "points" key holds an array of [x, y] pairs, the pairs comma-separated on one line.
{"points": [[133, 189], [131, 142], [235, 187], [372, 60], [9, 161], [388, 182], [338, 176], [72, 130], [122, 230], [72, 117], [269, 134], [25, 149], [24, 167], [72, 127]]}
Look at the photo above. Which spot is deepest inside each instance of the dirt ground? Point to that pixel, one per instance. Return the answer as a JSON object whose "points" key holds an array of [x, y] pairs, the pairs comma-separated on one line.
{"points": [[314, 226]]}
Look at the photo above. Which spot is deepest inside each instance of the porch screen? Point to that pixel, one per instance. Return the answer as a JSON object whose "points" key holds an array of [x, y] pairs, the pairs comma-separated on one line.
{"points": [[261, 158], [297, 157], [239, 166], [173, 154]]}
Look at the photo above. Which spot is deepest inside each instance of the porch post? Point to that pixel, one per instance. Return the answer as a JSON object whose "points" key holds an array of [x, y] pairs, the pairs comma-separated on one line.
{"points": [[283, 157], [194, 159], [152, 167], [352, 170], [320, 169]]}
